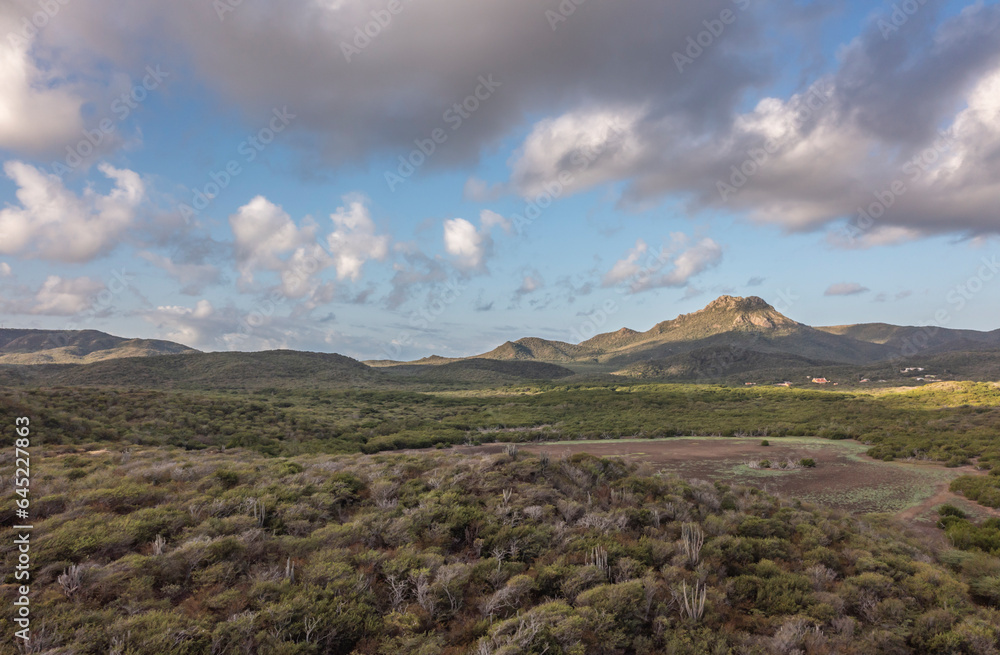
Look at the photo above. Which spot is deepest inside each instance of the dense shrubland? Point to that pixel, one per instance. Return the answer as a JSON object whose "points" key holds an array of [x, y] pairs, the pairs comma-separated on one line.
{"points": [[977, 554], [954, 423], [985, 490], [174, 552]]}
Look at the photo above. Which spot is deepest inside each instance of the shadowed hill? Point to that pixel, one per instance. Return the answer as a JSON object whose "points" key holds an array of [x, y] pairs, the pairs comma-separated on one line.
{"points": [[276, 368], [480, 371], [714, 363]]}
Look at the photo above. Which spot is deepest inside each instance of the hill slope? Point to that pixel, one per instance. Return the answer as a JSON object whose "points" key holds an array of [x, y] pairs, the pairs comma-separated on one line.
{"points": [[480, 370], [276, 368], [31, 347]]}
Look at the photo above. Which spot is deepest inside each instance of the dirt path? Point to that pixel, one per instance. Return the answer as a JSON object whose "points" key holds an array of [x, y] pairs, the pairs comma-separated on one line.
{"points": [[922, 517]]}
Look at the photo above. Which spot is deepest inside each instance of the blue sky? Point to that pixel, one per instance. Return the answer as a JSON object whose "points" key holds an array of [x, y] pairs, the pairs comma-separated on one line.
{"points": [[628, 135]]}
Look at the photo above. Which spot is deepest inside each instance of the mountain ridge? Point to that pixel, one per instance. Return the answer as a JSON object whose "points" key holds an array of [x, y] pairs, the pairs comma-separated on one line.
{"points": [[731, 334]]}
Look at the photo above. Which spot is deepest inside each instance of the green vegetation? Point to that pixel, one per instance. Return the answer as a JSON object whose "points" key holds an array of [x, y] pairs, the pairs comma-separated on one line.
{"points": [[985, 490], [977, 547], [167, 551], [952, 422]]}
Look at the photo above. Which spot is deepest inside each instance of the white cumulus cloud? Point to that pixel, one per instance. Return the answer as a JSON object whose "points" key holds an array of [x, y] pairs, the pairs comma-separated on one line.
{"points": [[674, 266], [470, 246], [56, 224], [354, 240], [38, 112]]}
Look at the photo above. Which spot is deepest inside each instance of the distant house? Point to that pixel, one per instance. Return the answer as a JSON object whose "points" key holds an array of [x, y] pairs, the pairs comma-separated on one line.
{"points": [[750, 384], [912, 369], [820, 381], [783, 384], [865, 380]]}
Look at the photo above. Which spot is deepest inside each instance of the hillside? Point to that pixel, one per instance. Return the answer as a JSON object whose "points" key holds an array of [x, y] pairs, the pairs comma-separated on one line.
{"points": [[277, 368], [931, 340], [715, 363], [32, 347], [480, 371]]}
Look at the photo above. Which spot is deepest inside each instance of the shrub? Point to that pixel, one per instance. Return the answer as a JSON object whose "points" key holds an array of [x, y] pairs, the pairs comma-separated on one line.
{"points": [[765, 442], [807, 462]]}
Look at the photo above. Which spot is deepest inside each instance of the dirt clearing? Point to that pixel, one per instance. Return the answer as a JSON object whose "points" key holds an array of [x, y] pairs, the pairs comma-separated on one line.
{"points": [[844, 478]]}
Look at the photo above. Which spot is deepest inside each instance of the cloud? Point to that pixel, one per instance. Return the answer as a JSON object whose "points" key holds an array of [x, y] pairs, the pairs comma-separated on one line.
{"points": [[266, 238], [755, 281], [199, 326], [480, 305], [674, 266], [594, 145], [412, 271], [65, 297], [602, 53], [354, 241], [628, 267], [529, 284], [55, 224], [470, 246], [39, 111], [193, 277], [478, 190], [5, 270], [845, 289], [820, 156]]}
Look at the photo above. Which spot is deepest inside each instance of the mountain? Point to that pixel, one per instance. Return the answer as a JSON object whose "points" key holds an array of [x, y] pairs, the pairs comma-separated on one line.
{"points": [[32, 347], [732, 336], [745, 324]]}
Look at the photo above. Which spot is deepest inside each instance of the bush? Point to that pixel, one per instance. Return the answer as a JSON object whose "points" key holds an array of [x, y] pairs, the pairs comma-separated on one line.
{"points": [[229, 479], [951, 510], [807, 462], [765, 442]]}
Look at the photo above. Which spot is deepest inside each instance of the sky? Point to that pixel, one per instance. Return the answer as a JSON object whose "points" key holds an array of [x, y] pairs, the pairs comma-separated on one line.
{"points": [[391, 179]]}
